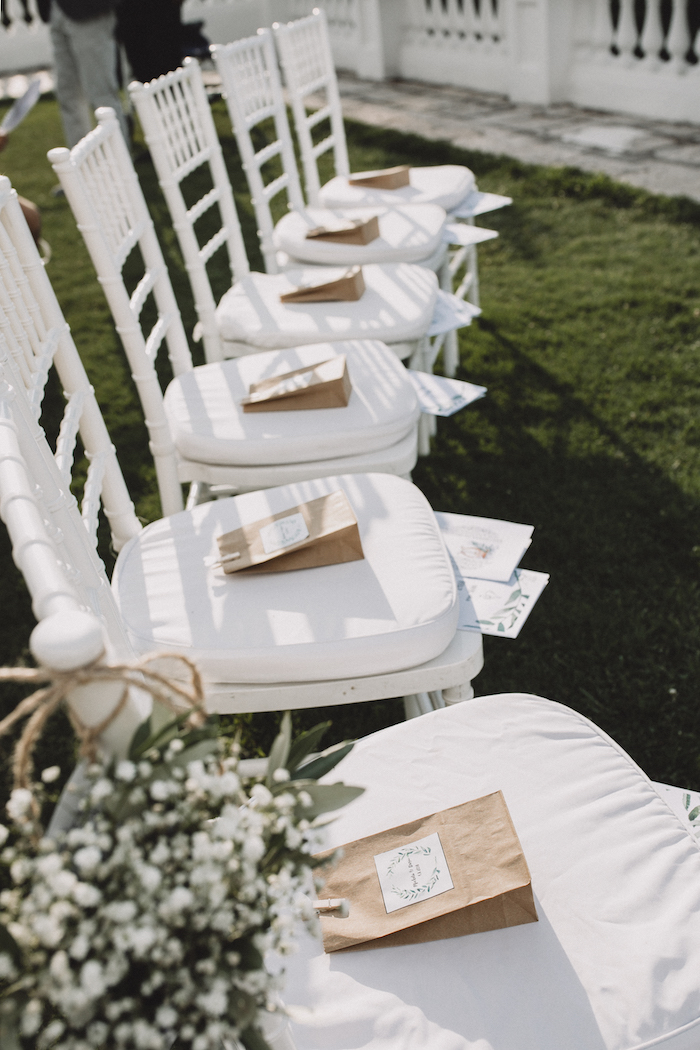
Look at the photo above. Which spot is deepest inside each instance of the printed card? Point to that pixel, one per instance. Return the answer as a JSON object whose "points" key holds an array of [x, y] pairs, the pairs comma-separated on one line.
{"points": [[451, 313], [413, 873], [499, 608], [484, 548], [438, 396], [284, 532]]}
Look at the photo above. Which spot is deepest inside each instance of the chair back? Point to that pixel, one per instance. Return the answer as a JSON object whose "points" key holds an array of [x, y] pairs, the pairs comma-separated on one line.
{"points": [[103, 191], [179, 129], [253, 90], [54, 542], [35, 336], [307, 63]]}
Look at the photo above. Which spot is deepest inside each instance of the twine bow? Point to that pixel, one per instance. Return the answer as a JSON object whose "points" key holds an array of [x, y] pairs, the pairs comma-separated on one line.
{"points": [[45, 701]]}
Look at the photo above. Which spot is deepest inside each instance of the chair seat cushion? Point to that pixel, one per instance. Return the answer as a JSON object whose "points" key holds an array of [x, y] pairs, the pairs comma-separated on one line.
{"points": [[397, 305], [208, 424], [395, 609], [444, 184], [405, 235], [614, 961]]}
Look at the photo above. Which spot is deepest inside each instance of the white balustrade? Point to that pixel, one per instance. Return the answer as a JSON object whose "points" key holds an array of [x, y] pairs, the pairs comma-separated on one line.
{"points": [[537, 51]]}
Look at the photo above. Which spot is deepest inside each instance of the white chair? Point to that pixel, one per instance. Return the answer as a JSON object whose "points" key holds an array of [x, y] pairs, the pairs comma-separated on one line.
{"points": [[613, 962], [366, 630], [254, 96], [413, 233], [199, 432], [307, 63], [397, 306]]}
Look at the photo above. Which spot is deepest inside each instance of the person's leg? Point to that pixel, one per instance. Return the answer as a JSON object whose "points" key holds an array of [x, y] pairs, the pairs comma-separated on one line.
{"points": [[75, 113], [95, 54]]}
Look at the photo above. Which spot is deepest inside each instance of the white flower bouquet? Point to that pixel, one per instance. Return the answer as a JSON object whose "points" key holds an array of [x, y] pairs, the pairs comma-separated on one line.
{"points": [[143, 926]]}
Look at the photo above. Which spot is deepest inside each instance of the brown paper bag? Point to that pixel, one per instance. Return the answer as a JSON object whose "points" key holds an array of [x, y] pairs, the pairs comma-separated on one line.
{"points": [[484, 863], [323, 385], [357, 231], [389, 179], [321, 532], [347, 288]]}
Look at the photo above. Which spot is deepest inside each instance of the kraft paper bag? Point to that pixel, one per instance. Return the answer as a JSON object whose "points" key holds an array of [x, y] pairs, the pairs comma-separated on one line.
{"points": [[388, 179], [323, 385], [321, 532], [348, 288], [357, 231], [452, 873]]}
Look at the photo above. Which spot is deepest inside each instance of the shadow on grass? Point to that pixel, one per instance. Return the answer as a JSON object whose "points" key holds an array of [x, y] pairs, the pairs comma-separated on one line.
{"points": [[616, 633]]}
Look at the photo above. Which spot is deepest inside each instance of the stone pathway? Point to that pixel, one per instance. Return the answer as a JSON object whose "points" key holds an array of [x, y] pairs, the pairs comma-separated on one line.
{"points": [[657, 156]]}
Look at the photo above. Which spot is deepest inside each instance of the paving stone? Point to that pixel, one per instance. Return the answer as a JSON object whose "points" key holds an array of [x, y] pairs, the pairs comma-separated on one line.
{"points": [[654, 155]]}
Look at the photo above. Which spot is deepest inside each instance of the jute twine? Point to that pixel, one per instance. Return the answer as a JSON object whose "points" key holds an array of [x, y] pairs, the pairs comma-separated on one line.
{"points": [[56, 686]]}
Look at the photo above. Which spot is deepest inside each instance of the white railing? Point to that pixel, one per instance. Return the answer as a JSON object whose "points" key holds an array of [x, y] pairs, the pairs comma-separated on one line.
{"points": [[635, 56]]}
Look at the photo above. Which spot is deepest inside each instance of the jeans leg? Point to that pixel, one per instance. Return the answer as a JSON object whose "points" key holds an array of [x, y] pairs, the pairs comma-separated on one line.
{"points": [[94, 54], [75, 113]]}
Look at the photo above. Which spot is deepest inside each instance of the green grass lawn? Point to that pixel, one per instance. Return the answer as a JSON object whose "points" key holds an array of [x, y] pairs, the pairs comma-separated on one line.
{"points": [[589, 345]]}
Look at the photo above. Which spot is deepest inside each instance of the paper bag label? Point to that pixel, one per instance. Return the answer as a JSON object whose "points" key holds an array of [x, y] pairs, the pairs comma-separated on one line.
{"points": [[284, 532], [413, 873]]}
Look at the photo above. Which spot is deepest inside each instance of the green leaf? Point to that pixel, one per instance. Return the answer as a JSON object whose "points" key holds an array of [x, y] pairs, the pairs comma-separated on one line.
{"points": [[694, 813], [318, 767], [253, 1039], [9, 944], [327, 797], [304, 744], [242, 1008], [280, 748], [251, 959], [142, 733]]}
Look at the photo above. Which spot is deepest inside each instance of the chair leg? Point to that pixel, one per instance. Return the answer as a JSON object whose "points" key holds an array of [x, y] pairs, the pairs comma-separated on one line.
{"points": [[473, 266], [199, 493], [457, 693], [417, 704], [424, 435], [436, 699], [450, 354]]}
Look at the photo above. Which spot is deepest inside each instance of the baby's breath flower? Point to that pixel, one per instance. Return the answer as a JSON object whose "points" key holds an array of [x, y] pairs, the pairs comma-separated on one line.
{"points": [[125, 771], [125, 922], [52, 773], [19, 804]]}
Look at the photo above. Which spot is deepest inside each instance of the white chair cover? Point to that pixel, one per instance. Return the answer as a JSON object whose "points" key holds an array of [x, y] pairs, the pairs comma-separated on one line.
{"points": [[614, 961], [208, 425], [396, 307], [397, 608]]}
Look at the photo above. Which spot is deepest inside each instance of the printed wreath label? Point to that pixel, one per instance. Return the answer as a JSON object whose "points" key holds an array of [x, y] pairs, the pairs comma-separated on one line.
{"points": [[413, 873]]}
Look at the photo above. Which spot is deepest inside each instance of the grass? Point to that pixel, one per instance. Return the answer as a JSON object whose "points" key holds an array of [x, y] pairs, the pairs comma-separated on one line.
{"points": [[590, 348]]}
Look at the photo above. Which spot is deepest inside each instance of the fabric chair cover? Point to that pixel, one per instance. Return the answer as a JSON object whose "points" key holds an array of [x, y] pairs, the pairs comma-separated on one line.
{"points": [[397, 608], [614, 961], [208, 424]]}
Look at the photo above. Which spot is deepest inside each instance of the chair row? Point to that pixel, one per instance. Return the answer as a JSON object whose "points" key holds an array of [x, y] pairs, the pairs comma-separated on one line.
{"points": [[381, 627]]}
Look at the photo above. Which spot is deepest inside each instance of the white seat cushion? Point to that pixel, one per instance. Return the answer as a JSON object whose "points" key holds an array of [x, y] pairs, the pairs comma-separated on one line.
{"points": [[208, 424], [405, 235], [614, 961], [397, 306], [444, 184], [393, 610]]}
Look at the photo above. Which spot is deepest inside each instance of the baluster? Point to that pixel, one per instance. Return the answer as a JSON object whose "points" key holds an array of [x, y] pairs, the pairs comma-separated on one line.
{"points": [[652, 34], [602, 35], [454, 22], [625, 38], [677, 41], [497, 20], [441, 8], [478, 18], [488, 21]]}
